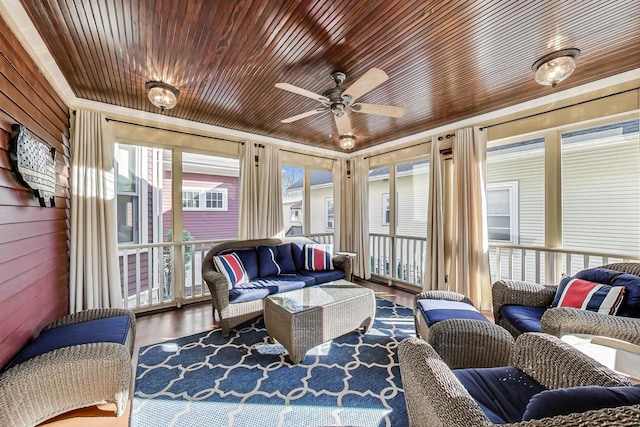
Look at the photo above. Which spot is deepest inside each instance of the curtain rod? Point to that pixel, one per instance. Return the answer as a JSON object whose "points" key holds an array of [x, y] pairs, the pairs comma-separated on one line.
{"points": [[310, 155], [559, 108], [440, 138]]}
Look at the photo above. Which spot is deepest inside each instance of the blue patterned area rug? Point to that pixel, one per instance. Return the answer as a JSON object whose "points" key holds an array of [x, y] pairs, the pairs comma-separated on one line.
{"points": [[208, 380]]}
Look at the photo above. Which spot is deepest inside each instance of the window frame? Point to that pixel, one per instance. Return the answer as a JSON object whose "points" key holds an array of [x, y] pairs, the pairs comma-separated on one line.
{"points": [[329, 219], [202, 199], [514, 223], [139, 226]]}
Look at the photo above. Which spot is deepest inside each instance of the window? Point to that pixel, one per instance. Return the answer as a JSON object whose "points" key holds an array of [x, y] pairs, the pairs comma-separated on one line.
{"points": [[295, 214], [329, 211], [386, 209], [208, 199], [412, 198], [502, 211], [128, 193]]}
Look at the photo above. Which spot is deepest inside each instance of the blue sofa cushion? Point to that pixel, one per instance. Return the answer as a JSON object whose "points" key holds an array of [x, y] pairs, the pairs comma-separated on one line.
{"points": [[249, 258], [564, 401], [630, 306], [297, 253], [502, 393], [274, 260], [261, 288], [524, 319], [324, 276], [435, 310], [110, 329], [308, 280]]}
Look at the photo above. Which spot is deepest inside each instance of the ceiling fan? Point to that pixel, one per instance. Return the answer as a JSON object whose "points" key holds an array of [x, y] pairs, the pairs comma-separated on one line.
{"points": [[339, 99]]}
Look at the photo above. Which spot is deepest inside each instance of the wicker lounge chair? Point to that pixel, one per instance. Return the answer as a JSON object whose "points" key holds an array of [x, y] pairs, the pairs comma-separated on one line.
{"points": [[435, 396]]}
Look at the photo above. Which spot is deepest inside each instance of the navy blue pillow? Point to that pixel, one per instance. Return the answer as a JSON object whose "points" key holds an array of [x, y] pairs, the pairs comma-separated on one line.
{"points": [[630, 306], [297, 252], [268, 261], [563, 401], [285, 259], [249, 259]]}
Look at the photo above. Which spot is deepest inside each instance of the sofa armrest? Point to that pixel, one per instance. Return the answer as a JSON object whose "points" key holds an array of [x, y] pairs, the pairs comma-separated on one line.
{"points": [[556, 364], [65, 379], [433, 394], [564, 320], [516, 292], [218, 287], [343, 262]]}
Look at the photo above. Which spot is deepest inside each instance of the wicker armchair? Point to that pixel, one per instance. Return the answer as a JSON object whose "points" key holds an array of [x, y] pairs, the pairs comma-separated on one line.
{"points": [[436, 398], [234, 314], [68, 378], [561, 320]]}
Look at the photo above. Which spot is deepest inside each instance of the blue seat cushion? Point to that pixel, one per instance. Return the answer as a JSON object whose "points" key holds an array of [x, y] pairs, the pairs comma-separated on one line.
{"points": [[435, 310], [523, 318], [308, 280], [249, 258], [551, 403], [324, 276], [502, 393], [261, 288], [111, 329]]}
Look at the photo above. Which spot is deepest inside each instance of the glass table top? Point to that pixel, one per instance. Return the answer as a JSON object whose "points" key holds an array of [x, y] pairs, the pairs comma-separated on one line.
{"points": [[319, 295]]}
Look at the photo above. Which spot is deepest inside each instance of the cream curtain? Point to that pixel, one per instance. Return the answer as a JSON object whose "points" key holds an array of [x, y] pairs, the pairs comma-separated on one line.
{"points": [[470, 245], [338, 173], [355, 214], [94, 270], [260, 205], [434, 278]]}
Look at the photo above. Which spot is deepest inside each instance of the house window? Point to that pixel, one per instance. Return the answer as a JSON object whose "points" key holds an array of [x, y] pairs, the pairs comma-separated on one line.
{"points": [[205, 199], [295, 215], [502, 211], [128, 193], [329, 211], [386, 209]]}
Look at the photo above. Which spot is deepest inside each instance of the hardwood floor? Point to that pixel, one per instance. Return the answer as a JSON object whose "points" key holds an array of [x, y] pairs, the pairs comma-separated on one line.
{"points": [[187, 320]]}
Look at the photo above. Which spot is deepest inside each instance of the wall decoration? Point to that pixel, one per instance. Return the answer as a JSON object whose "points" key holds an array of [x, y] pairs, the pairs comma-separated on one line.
{"points": [[33, 163]]}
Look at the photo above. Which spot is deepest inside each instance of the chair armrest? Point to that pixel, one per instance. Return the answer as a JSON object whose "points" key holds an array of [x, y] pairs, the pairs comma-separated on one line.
{"points": [[343, 262], [556, 364], [434, 396], [466, 343], [65, 379], [516, 292], [443, 295], [564, 320], [91, 314]]}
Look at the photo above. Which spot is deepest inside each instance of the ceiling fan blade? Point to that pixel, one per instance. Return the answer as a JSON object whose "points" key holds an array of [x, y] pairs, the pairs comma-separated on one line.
{"points": [[380, 110], [368, 81], [343, 124], [303, 115], [300, 91]]}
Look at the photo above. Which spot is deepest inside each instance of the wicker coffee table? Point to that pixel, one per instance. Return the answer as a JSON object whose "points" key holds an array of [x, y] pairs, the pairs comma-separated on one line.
{"points": [[305, 318]]}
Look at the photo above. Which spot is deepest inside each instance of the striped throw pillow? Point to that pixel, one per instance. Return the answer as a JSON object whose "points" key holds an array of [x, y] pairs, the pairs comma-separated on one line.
{"points": [[318, 257], [232, 268], [587, 295]]}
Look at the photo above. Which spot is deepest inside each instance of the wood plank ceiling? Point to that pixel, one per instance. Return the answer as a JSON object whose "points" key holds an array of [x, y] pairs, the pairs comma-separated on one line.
{"points": [[447, 60]]}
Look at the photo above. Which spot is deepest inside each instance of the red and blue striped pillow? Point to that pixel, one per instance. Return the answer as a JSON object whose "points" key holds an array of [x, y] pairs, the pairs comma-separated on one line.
{"points": [[318, 257], [579, 293], [232, 268]]}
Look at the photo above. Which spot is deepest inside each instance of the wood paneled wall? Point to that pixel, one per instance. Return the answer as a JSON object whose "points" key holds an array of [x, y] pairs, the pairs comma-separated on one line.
{"points": [[34, 256]]}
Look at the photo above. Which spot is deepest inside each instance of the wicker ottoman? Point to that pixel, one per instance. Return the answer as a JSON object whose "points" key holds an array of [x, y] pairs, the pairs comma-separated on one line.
{"points": [[305, 318], [459, 333]]}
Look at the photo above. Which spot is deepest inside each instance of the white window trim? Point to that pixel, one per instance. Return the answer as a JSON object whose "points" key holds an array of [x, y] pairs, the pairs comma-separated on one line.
{"points": [[514, 222], [327, 226], [141, 193], [203, 198], [385, 202]]}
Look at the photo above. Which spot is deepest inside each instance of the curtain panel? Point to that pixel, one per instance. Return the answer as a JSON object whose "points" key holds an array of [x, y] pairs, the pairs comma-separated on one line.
{"points": [[94, 269], [434, 278], [470, 245]]}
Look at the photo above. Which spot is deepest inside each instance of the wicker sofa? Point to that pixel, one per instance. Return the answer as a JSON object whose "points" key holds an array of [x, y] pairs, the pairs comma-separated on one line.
{"points": [[436, 397], [536, 299], [79, 360], [236, 305]]}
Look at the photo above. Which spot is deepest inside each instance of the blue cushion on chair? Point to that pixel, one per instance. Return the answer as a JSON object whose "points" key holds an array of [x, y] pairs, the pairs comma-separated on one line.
{"points": [[261, 288], [297, 253], [630, 306], [564, 401], [523, 318], [435, 310], [502, 393], [110, 329], [324, 276]]}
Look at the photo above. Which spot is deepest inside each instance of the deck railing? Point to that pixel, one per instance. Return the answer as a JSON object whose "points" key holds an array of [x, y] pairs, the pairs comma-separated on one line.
{"points": [[152, 279]]}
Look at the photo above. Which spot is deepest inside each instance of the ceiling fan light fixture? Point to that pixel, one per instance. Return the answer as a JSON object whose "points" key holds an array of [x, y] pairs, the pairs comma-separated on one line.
{"points": [[162, 95], [555, 67], [347, 141]]}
